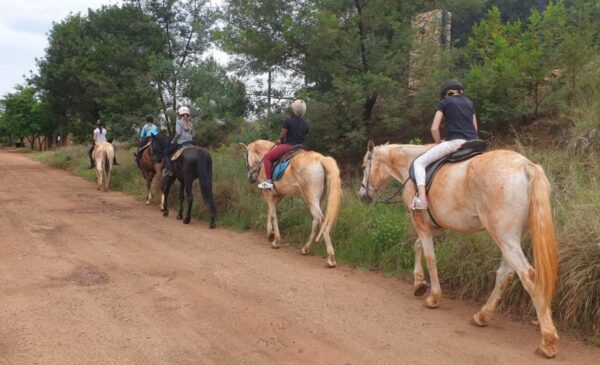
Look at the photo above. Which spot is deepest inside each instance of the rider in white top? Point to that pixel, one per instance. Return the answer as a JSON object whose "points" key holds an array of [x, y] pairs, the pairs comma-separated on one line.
{"points": [[99, 137]]}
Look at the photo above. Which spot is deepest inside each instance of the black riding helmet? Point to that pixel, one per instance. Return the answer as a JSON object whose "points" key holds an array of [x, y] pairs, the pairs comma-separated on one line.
{"points": [[450, 85], [149, 118], [100, 122]]}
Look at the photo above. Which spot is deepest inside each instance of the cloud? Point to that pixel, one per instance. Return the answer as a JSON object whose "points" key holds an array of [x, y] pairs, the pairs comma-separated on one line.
{"points": [[24, 25]]}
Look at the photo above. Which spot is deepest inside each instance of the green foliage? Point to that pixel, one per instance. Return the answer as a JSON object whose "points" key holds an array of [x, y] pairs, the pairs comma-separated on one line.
{"points": [[24, 116], [97, 66]]}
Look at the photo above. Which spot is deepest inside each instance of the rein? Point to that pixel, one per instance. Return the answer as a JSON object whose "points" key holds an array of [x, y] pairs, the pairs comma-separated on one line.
{"points": [[384, 201]]}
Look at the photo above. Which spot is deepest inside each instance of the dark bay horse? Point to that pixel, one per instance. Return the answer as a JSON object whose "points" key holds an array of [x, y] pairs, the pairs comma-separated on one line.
{"points": [[150, 167], [194, 163]]}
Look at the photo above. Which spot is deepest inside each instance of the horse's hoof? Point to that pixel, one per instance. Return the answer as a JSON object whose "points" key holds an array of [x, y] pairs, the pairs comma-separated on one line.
{"points": [[420, 289], [186, 221], [548, 351], [304, 251], [479, 320], [165, 213], [275, 244], [331, 262], [179, 217], [212, 225], [432, 303], [147, 202]]}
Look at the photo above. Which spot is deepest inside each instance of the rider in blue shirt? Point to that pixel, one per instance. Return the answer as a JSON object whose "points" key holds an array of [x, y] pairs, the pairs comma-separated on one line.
{"points": [[148, 131]]}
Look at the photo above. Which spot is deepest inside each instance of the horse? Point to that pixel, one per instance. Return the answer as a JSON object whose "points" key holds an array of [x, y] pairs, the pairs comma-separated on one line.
{"points": [[103, 155], [150, 168], [308, 174], [500, 191], [194, 163]]}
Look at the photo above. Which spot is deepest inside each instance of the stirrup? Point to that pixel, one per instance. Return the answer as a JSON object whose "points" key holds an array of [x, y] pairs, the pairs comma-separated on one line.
{"points": [[265, 185]]}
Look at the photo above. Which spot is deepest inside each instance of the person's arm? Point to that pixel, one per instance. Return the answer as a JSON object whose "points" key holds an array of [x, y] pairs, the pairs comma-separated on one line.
{"points": [[95, 136], [143, 132], [475, 122], [435, 127], [177, 132], [282, 135]]}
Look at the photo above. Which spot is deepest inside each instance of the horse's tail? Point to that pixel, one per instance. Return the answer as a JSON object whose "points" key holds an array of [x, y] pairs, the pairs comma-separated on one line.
{"points": [[334, 191], [204, 169], [545, 250]]}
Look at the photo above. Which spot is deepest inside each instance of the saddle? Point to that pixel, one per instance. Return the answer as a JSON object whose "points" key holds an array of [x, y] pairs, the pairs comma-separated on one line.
{"points": [[180, 151], [282, 164], [145, 146], [468, 150]]}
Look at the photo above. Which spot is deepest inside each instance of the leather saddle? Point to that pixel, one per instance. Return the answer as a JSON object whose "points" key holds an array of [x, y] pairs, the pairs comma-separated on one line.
{"points": [[468, 150], [178, 153], [281, 165]]}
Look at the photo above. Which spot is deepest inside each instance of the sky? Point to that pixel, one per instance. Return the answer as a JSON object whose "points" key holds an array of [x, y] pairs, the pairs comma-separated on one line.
{"points": [[24, 25]]}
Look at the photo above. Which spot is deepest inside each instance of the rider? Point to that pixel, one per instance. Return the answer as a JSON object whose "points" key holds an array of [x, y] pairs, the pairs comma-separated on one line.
{"points": [[461, 126], [184, 134], [148, 131], [99, 137], [293, 132]]}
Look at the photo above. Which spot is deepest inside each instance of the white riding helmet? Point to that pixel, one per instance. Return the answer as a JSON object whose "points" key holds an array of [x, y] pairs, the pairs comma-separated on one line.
{"points": [[299, 107], [183, 110]]}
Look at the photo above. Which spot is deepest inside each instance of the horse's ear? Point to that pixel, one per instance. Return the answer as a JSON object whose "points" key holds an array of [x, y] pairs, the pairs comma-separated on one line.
{"points": [[371, 146], [243, 146]]}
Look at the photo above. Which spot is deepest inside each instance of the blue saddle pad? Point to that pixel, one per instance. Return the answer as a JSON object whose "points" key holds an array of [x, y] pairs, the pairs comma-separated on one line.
{"points": [[279, 170]]}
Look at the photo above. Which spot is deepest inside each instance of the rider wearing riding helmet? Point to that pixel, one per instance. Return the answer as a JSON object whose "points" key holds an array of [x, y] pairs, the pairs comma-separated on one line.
{"points": [[293, 133], [99, 137], [461, 126], [148, 131], [184, 134]]}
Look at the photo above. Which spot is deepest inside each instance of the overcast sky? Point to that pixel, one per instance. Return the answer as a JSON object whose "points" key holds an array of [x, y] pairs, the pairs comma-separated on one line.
{"points": [[24, 25]]}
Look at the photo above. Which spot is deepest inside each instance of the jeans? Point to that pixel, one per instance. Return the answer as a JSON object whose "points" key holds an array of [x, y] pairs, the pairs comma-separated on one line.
{"points": [[272, 156]]}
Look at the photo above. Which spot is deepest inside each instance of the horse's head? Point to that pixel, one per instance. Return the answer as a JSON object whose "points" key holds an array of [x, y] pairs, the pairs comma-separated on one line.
{"points": [[373, 174], [254, 153]]}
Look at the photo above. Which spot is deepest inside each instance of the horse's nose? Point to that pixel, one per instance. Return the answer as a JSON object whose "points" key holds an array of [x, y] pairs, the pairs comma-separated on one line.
{"points": [[364, 197]]}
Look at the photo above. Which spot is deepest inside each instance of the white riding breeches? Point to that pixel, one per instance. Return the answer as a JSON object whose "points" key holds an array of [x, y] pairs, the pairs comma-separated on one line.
{"points": [[435, 153]]}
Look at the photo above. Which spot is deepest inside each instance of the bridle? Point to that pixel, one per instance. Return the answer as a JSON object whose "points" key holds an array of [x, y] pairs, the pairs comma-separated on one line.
{"points": [[369, 187], [252, 171]]}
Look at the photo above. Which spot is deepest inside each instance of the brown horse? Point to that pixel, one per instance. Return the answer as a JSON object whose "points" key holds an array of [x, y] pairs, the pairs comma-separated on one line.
{"points": [[308, 174], [150, 168], [499, 191]]}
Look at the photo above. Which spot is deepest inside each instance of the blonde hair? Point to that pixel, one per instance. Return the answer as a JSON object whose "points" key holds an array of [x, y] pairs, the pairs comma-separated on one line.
{"points": [[299, 107]]}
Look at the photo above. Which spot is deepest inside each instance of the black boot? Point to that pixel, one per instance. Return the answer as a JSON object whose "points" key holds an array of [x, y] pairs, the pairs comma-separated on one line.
{"points": [[91, 164]]}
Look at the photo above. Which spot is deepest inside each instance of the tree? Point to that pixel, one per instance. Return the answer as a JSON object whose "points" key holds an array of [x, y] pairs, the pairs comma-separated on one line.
{"points": [[24, 116], [98, 66], [186, 26]]}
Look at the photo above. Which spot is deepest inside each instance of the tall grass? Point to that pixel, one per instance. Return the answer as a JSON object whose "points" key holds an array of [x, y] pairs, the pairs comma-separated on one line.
{"points": [[379, 237]]}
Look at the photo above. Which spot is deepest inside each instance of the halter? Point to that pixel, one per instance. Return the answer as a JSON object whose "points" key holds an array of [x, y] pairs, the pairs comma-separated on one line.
{"points": [[369, 186]]}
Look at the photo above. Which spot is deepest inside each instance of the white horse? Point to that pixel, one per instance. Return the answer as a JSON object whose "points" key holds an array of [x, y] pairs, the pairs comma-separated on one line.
{"points": [[103, 157], [308, 174], [500, 191]]}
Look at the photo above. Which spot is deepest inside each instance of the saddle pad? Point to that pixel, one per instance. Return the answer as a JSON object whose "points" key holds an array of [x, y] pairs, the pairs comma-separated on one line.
{"points": [[180, 151], [279, 170], [468, 150], [282, 164]]}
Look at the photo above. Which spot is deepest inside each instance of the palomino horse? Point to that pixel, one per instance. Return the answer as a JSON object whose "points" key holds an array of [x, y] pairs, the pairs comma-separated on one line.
{"points": [[308, 174], [149, 168], [194, 163], [500, 191], [103, 155]]}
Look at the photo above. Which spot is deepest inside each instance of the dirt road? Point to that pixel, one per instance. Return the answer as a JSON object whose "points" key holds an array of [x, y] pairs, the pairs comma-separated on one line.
{"points": [[99, 278]]}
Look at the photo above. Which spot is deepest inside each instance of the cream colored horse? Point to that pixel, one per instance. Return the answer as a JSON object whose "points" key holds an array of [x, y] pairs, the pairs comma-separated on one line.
{"points": [[308, 174], [103, 157], [500, 191]]}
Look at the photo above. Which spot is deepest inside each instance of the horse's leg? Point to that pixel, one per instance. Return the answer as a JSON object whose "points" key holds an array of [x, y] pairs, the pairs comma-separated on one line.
{"points": [[426, 237], [504, 277], [190, 200], [513, 254], [149, 176], [420, 285], [272, 227], [315, 211], [165, 198], [181, 196]]}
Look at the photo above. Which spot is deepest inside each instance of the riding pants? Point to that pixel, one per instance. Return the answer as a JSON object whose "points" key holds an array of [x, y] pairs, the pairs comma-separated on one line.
{"points": [[435, 153], [273, 155]]}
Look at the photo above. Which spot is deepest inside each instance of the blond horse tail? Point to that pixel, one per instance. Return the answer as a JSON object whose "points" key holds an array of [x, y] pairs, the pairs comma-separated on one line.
{"points": [[334, 194], [545, 250]]}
